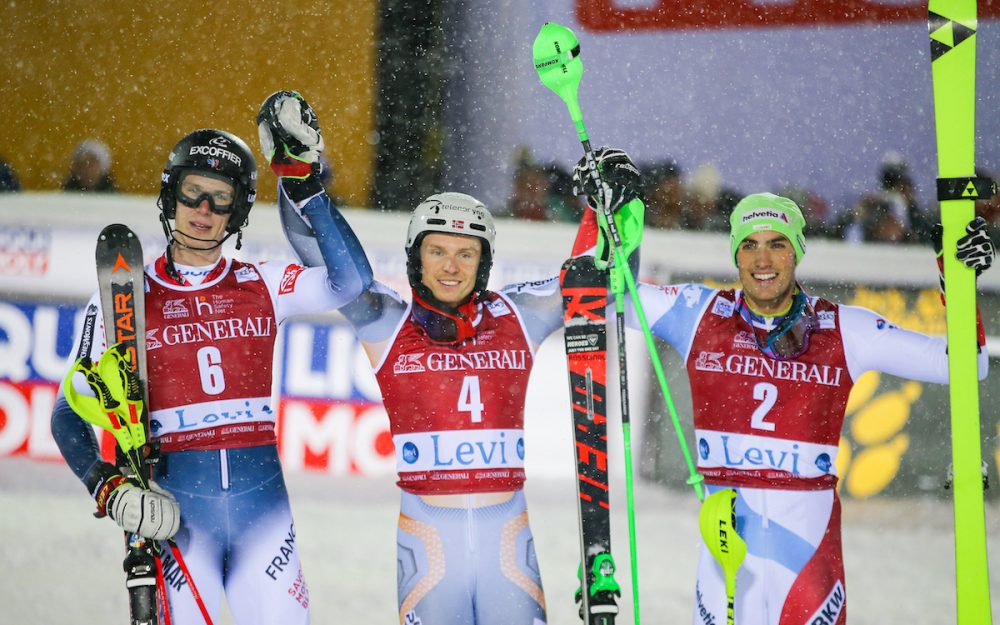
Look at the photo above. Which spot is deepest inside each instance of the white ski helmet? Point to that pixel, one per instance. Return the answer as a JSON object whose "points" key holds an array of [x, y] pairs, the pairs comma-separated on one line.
{"points": [[450, 213]]}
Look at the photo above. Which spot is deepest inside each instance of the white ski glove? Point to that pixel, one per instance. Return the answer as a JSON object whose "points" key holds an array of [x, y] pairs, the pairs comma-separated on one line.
{"points": [[291, 141], [153, 514]]}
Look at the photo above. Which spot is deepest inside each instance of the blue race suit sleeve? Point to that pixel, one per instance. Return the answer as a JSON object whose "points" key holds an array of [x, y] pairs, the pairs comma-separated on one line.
{"points": [[329, 242], [75, 438]]}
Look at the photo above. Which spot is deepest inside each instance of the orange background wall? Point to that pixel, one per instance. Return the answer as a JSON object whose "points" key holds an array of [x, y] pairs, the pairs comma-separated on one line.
{"points": [[140, 75]]}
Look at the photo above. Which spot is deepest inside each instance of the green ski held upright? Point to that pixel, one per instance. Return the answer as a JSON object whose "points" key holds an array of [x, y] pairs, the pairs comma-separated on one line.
{"points": [[952, 28]]}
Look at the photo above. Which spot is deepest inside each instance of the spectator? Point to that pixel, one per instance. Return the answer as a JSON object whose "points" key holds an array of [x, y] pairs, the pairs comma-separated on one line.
{"points": [[563, 204], [899, 192], [8, 179], [542, 192], [884, 225], [870, 219], [531, 188], [708, 203], [90, 169], [664, 191], [815, 209]]}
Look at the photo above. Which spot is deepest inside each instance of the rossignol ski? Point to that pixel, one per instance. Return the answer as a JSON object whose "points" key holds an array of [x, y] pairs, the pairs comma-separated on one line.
{"points": [[121, 284], [585, 296], [952, 28]]}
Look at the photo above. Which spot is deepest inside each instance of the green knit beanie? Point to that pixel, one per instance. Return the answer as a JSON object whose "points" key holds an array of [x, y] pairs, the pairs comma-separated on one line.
{"points": [[767, 212]]}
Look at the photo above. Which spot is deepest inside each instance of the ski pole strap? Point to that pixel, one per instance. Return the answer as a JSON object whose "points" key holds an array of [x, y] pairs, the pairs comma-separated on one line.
{"points": [[970, 188], [559, 57]]}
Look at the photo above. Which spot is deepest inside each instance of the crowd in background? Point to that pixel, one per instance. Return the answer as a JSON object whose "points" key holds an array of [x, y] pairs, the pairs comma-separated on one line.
{"points": [[675, 200], [89, 170], [889, 213]]}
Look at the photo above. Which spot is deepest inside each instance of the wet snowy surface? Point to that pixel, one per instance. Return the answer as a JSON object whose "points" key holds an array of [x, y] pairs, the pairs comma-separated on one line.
{"points": [[61, 566]]}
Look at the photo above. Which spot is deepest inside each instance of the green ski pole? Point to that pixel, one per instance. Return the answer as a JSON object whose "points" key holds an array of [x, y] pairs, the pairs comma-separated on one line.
{"points": [[556, 55], [557, 60], [952, 28], [556, 52]]}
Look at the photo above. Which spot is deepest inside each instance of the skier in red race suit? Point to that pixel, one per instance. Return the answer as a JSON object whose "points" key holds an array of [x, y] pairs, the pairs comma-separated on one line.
{"points": [[770, 369], [211, 325], [453, 366]]}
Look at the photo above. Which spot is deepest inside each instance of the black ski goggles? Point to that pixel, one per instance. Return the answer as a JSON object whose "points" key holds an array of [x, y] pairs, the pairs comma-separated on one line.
{"points": [[790, 339], [196, 186]]}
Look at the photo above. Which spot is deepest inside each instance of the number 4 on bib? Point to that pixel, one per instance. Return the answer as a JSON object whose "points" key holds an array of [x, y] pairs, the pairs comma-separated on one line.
{"points": [[469, 399]]}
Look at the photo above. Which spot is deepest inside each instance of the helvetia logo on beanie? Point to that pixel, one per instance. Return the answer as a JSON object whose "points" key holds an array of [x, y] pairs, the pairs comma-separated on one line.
{"points": [[765, 213]]}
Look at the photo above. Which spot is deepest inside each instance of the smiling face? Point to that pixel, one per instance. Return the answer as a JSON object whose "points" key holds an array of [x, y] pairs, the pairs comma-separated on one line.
{"points": [[197, 227], [450, 263], [766, 262]]}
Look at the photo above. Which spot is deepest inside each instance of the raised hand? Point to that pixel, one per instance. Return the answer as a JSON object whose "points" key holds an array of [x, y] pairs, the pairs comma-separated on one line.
{"points": [[291, 141], [620, 177]]}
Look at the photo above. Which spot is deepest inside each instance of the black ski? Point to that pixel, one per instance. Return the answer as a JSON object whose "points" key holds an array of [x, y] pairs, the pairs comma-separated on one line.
{"points": [[585, 295], [121, 281]]}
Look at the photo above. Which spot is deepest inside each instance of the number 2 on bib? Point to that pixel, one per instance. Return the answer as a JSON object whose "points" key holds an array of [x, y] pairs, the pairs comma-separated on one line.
{"points": [[469, 399], [767, 395]]}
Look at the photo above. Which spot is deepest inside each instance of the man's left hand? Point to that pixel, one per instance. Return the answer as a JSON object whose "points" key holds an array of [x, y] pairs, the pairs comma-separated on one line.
{"points": [[975, 249]]}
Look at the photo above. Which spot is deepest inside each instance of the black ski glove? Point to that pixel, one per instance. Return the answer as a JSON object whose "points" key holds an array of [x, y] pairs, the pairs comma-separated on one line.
{"points": [[621, 178], [975, 249]]}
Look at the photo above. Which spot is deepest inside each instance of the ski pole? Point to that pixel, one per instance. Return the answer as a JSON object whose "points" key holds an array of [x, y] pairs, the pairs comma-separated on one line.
{"points": [[717, 522], [115, 408], [557, 60]]}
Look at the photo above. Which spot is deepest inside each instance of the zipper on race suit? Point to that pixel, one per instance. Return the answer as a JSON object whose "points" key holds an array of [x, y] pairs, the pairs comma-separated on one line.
{"points": [[470, 524], [765, 521], [224, 468]]}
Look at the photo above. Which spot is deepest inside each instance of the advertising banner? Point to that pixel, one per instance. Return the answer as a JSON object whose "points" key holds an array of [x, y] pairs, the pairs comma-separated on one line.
{"points": [[330, 418]]}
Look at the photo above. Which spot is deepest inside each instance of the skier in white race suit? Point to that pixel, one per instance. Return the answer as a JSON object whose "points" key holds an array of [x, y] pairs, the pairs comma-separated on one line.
{"points": [[453, 365], [770, 369], [211, 325]]}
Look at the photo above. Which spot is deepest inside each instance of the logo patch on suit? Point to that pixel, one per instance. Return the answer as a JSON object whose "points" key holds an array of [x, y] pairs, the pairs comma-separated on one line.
{"points": [[722, 308], [408, 363], [175, 309], [288, 280], [827, 320], [744, 339], [498, 308], [709, 361], [247, 274]]}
